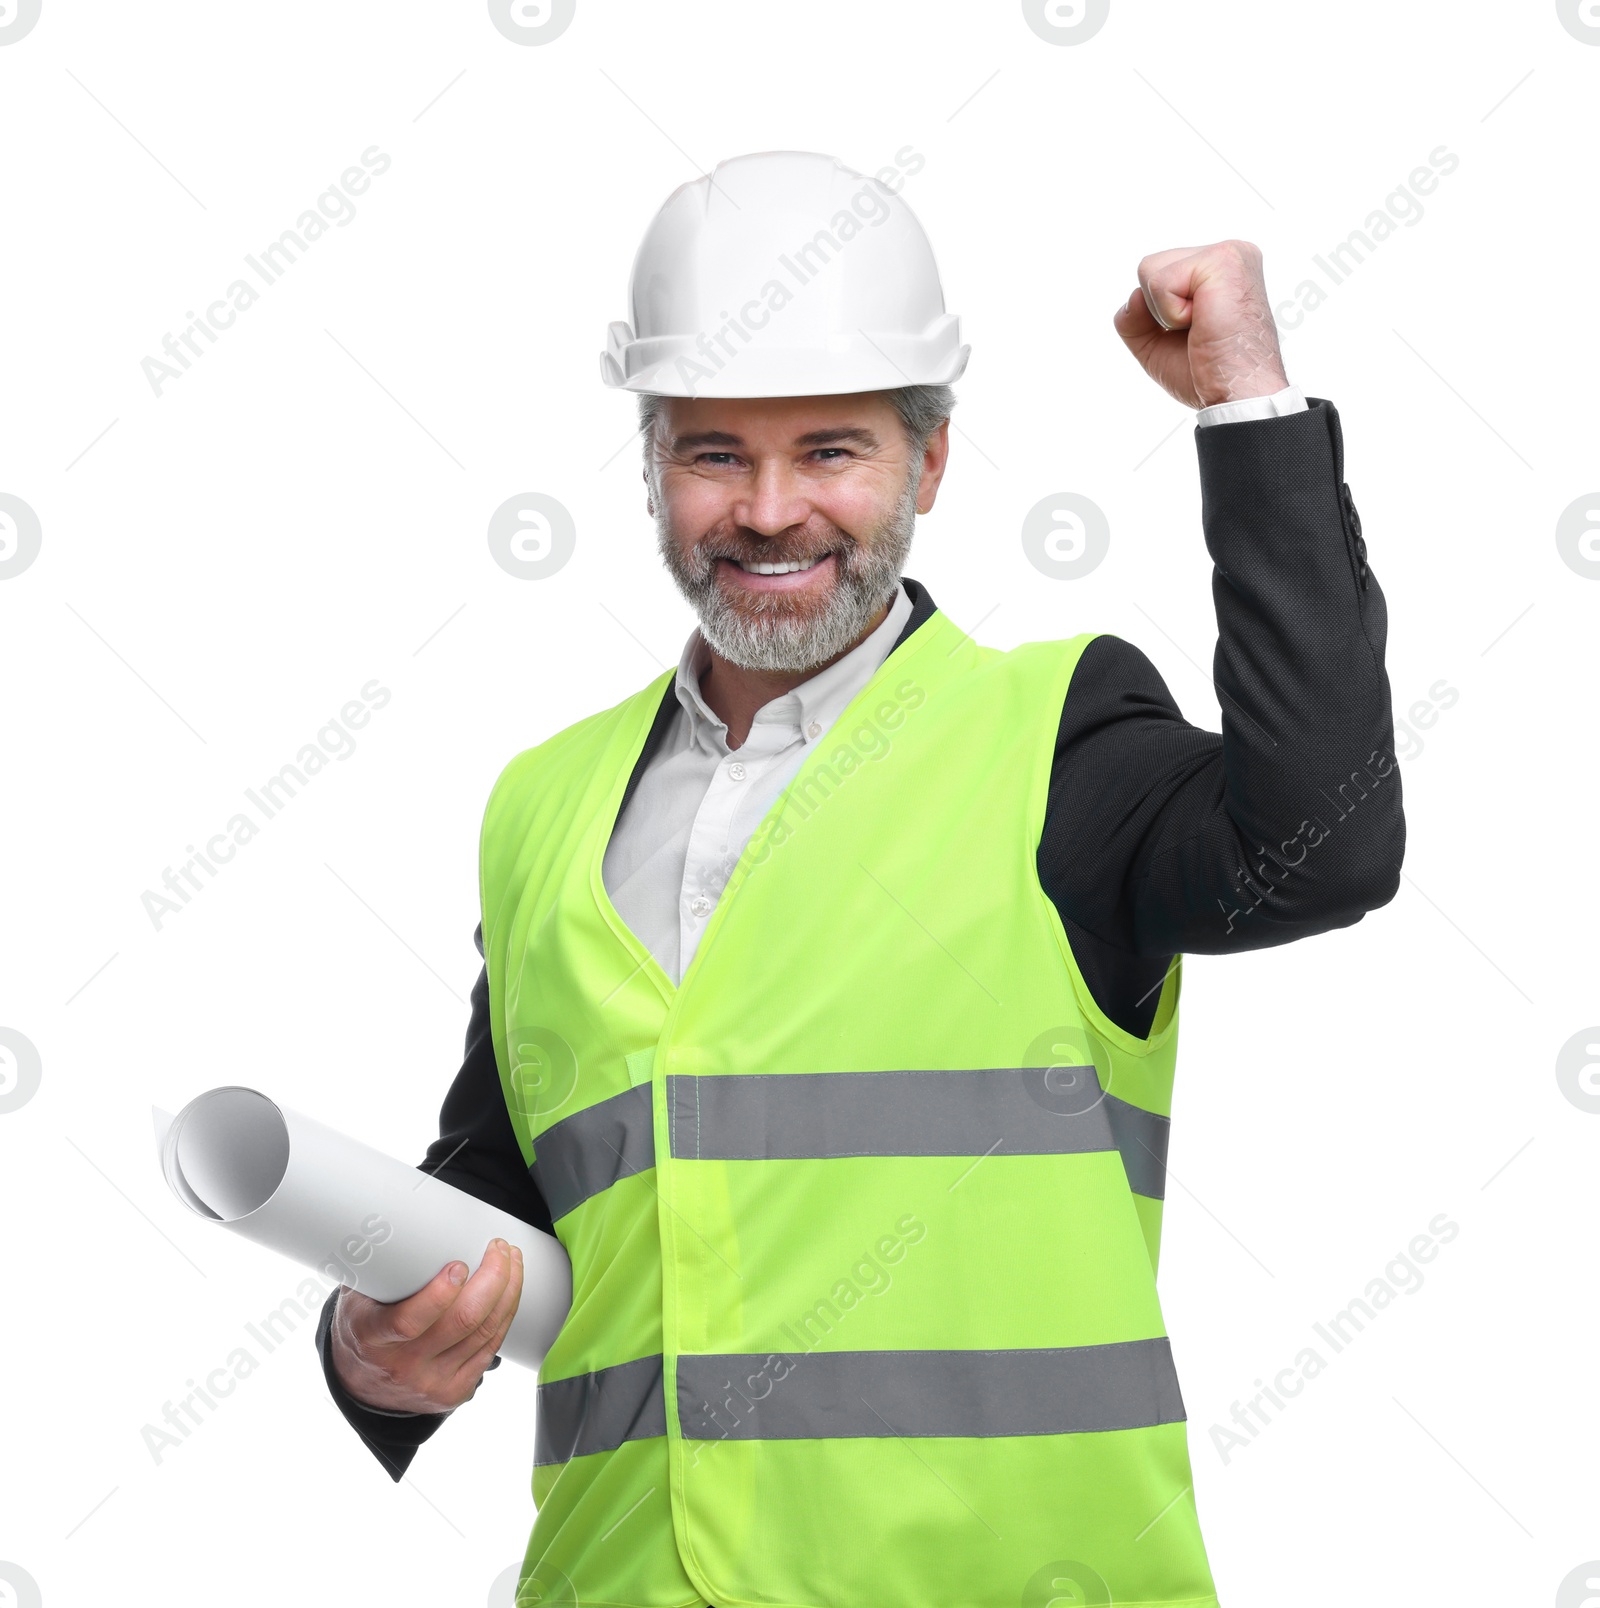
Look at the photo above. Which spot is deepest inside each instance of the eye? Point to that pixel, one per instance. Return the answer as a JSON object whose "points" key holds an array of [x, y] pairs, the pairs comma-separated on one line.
{"points": [[844, 452], [710, 457]]}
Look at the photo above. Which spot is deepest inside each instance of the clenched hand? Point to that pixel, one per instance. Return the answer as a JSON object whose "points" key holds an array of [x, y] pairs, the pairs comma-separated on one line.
{"points": [[1201, 326]]}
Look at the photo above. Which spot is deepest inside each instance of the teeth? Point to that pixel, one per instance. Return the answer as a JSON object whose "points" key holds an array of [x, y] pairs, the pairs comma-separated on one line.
{"points": [[777, 569]]}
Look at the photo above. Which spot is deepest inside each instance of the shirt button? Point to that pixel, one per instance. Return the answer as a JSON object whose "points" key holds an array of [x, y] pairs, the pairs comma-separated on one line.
{"points": [[814, 729], [700, 905], [736, 771]]}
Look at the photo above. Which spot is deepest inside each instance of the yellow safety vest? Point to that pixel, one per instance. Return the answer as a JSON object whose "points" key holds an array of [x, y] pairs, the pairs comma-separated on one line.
{"points": [[864, 1214]]}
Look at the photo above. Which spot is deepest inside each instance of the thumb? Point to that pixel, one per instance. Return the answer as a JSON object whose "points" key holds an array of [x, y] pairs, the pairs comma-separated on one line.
{"points": [[396, 1322], [1161, 352], [1135, 321], [1168, 309]]}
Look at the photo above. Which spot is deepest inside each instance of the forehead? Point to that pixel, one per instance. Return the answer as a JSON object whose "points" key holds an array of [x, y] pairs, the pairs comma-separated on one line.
{"points": [[779, 423]]}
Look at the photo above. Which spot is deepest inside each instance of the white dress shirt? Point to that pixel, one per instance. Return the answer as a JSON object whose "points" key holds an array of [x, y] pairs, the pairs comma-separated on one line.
{"points": [[698, 800]]}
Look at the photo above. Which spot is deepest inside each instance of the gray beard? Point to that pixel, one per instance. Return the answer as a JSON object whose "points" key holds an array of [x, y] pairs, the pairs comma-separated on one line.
{"points": [[768, 632]]}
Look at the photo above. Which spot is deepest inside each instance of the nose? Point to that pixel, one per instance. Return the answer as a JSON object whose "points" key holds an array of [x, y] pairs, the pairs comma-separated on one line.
{"points": [[773, 500]]}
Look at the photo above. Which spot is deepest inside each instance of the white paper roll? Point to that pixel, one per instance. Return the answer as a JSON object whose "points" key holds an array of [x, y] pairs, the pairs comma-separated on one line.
{"points": [[357, 1216]]}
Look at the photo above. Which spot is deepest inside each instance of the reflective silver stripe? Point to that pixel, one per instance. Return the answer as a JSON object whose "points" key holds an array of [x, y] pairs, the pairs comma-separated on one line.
{"points": [[589, 1151], [1057, 1390], [965, 1111], [1141, 1136], [597, 1412]]}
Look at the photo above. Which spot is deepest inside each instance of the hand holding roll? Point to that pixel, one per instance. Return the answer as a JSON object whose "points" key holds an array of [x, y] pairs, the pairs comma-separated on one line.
{"points": [[427, 1354]]}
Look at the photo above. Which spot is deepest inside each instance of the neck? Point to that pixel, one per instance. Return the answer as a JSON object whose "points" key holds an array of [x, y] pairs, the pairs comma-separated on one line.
{"points": [[734, 694]]}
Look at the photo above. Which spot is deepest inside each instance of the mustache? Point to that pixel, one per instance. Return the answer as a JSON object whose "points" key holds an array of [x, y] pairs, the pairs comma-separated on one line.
{"points": [[767, 550]]}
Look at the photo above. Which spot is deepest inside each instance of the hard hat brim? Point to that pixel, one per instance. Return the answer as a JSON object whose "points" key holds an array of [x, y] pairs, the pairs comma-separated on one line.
{"points": [[681, 366]]}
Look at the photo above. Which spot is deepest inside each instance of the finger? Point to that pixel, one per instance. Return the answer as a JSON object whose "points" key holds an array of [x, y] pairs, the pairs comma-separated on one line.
{"points": [[477, 1350], [465, 1364], [469, 1374], [1167, 280], [1152, 302], [1132, 319], [391, 1323], [1140, 332], [474, 1305], [1168, 294]]}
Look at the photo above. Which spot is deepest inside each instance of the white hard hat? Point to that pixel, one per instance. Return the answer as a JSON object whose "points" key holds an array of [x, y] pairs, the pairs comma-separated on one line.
{"points": [[783, 273]]}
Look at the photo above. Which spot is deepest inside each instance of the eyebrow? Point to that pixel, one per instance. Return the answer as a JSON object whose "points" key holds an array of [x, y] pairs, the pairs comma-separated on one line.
{"points": [[705, 438], [854, 434]]}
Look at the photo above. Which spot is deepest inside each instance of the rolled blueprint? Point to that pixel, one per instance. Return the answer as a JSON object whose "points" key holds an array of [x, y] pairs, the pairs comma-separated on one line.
{"points": [[354, 1214]]}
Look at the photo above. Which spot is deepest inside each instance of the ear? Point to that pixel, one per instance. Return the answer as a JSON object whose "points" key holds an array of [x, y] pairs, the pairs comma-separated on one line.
{"points": [[934, 458]]}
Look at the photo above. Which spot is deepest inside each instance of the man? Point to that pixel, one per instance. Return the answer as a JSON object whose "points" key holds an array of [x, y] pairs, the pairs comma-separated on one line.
{"points": [[830, 995]]}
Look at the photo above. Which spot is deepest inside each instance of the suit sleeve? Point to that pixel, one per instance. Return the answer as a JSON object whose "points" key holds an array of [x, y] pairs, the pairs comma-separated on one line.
{"points": [[477, 1151], [1288, 822]]}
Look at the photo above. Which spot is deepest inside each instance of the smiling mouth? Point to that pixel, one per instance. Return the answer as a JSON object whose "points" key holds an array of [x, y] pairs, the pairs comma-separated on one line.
{"points": [[793, 567], [765, 576]]}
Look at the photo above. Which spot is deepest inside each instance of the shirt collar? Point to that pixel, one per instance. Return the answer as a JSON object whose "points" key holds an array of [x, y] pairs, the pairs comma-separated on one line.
{"points": [[807, 710]]}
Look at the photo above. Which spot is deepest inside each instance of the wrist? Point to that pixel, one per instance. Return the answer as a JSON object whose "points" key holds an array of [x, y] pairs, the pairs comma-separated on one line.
{"points": [[1245, 388], [1275, 405]]}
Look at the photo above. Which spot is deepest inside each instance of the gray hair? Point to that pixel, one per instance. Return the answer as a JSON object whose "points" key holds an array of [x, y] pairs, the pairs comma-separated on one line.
{"points": [[922, 409]]}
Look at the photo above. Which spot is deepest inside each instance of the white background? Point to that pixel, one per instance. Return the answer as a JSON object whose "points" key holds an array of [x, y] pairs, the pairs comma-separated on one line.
{"points": [[224, 566]]}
